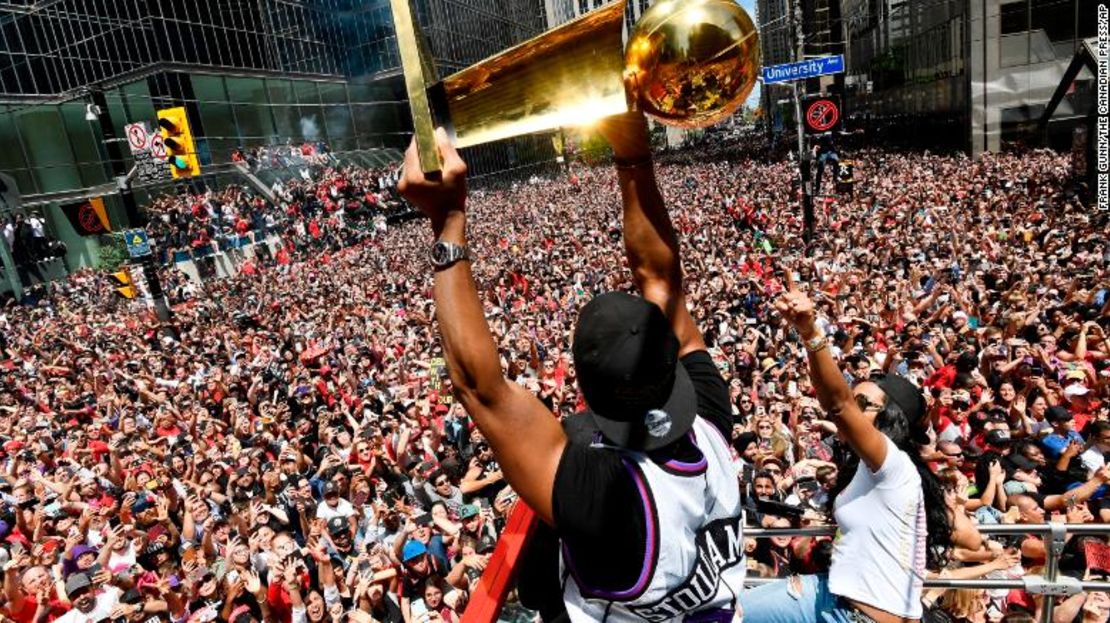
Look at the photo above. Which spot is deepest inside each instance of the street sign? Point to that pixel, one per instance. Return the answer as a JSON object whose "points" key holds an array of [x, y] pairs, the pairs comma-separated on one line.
{"points": [[88, 218], [138, 245], [158, 147], [149, 153], [821, 114], [809, 68], [138, 138]]}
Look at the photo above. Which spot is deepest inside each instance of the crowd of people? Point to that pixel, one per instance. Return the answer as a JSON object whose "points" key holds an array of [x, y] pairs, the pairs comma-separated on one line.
{"points": [[287, 448], [314, 208], [284, 156]]}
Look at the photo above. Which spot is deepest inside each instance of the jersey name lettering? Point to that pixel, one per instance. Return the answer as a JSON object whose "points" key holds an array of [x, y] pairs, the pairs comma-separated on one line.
{"points": [[720, 546]]}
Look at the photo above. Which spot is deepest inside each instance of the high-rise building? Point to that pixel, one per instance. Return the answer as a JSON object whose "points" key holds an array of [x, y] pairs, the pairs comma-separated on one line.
{"points": [[971, 73], [562, 11], [249, 72], [776, 35]]}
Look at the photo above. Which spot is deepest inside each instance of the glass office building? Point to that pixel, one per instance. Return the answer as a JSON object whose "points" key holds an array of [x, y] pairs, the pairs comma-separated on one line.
{"points": [[971, 73], [250, 73]]}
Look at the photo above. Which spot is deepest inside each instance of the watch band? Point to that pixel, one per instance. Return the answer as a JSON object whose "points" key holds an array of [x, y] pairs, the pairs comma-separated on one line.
{"points": [[446, 254], [817, 343]]}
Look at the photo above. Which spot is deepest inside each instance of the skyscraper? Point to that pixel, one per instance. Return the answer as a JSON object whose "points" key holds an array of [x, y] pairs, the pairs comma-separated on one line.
{"points": [[562, 11], [249, 72], [970, 73]]}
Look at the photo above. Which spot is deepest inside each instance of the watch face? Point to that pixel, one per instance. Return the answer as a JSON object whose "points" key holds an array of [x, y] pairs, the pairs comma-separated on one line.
{"points": [[441, 253]]}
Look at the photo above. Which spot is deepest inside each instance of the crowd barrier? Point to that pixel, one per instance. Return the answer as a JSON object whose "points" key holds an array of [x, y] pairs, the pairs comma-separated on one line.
{"points": [[498, 579], [1051, 585]]}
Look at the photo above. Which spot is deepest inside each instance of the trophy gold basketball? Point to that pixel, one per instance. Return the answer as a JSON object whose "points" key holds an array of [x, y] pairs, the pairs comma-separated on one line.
{"points": [[687, 63]]}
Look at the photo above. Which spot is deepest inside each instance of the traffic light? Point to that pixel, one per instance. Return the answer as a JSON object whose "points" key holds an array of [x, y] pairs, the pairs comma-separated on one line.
{"points": [[181, 153], [124, 286]]}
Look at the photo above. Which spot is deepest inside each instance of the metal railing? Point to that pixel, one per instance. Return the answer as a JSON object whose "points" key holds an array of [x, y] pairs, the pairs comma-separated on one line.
{"points": [[1050, 585]]}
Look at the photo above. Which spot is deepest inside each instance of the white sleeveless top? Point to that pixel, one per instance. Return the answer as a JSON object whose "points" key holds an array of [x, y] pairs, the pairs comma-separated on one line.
{"points": [[694, 559], [879, 553]]}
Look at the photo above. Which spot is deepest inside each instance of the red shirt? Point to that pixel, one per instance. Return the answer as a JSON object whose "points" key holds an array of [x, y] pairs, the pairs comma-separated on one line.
{"points": [[31, 604]]}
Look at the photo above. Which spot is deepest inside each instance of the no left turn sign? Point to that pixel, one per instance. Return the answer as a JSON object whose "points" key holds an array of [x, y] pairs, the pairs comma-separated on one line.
{"points": [[157, 147]]}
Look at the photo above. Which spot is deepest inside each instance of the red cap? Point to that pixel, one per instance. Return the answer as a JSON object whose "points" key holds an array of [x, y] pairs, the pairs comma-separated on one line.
{"points": [[1020, 598]]}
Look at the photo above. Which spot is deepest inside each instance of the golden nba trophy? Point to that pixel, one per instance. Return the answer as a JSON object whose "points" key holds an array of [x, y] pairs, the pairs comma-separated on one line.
{"points": [[688, 63]]}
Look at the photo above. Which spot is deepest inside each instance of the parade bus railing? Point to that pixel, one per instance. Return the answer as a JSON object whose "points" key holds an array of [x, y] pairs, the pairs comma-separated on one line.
{"points": [[499, 577], [1051, 585]]}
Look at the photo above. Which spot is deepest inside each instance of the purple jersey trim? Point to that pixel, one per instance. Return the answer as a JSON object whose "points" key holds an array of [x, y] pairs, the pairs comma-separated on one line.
{"points": [[686, 469], [651, 550]]}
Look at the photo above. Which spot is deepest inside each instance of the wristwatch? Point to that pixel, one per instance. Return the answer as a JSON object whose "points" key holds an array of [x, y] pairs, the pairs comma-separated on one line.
{"points": [[817, 343], [444, 254]]}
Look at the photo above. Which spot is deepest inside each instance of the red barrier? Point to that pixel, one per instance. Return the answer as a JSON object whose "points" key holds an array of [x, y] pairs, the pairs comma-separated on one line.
{"points": [[493, 587]]}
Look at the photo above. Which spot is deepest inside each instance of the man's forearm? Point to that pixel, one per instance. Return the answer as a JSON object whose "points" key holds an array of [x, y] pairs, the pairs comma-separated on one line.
{"points": [[469, 347], [649, 238]]}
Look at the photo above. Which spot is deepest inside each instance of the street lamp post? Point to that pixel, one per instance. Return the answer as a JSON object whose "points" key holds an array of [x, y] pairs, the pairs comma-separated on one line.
{"points": [[804, 171]]}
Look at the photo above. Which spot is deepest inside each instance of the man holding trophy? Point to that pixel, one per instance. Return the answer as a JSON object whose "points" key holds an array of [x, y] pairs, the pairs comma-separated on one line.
{"points": [[643, 495], [658, 468]]}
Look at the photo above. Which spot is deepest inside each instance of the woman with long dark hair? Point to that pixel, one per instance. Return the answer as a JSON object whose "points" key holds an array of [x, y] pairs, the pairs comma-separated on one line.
{"points": [[890, 511]]}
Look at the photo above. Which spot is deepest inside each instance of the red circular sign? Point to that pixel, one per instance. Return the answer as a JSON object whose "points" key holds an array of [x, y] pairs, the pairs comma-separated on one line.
{"points": [[157, 147], [822, 115], [136, 136], [89, 219]]}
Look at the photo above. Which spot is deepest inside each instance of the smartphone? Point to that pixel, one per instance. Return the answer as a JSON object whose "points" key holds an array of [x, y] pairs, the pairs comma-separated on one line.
{"points": [[418, 608]]}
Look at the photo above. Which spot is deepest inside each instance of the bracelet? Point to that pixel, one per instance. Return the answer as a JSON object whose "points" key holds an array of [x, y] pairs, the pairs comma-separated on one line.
{"points": [[624, 164], [818, 343]]}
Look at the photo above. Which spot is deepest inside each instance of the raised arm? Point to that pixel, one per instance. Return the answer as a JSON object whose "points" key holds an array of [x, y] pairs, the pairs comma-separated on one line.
{"points": [[649, 238], [832, 390], [500, 408]]}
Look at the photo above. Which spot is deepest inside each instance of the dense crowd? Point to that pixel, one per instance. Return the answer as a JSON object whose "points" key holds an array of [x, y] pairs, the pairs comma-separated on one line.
{"points": [[288, 448], [284, 156], [312, 208]]}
